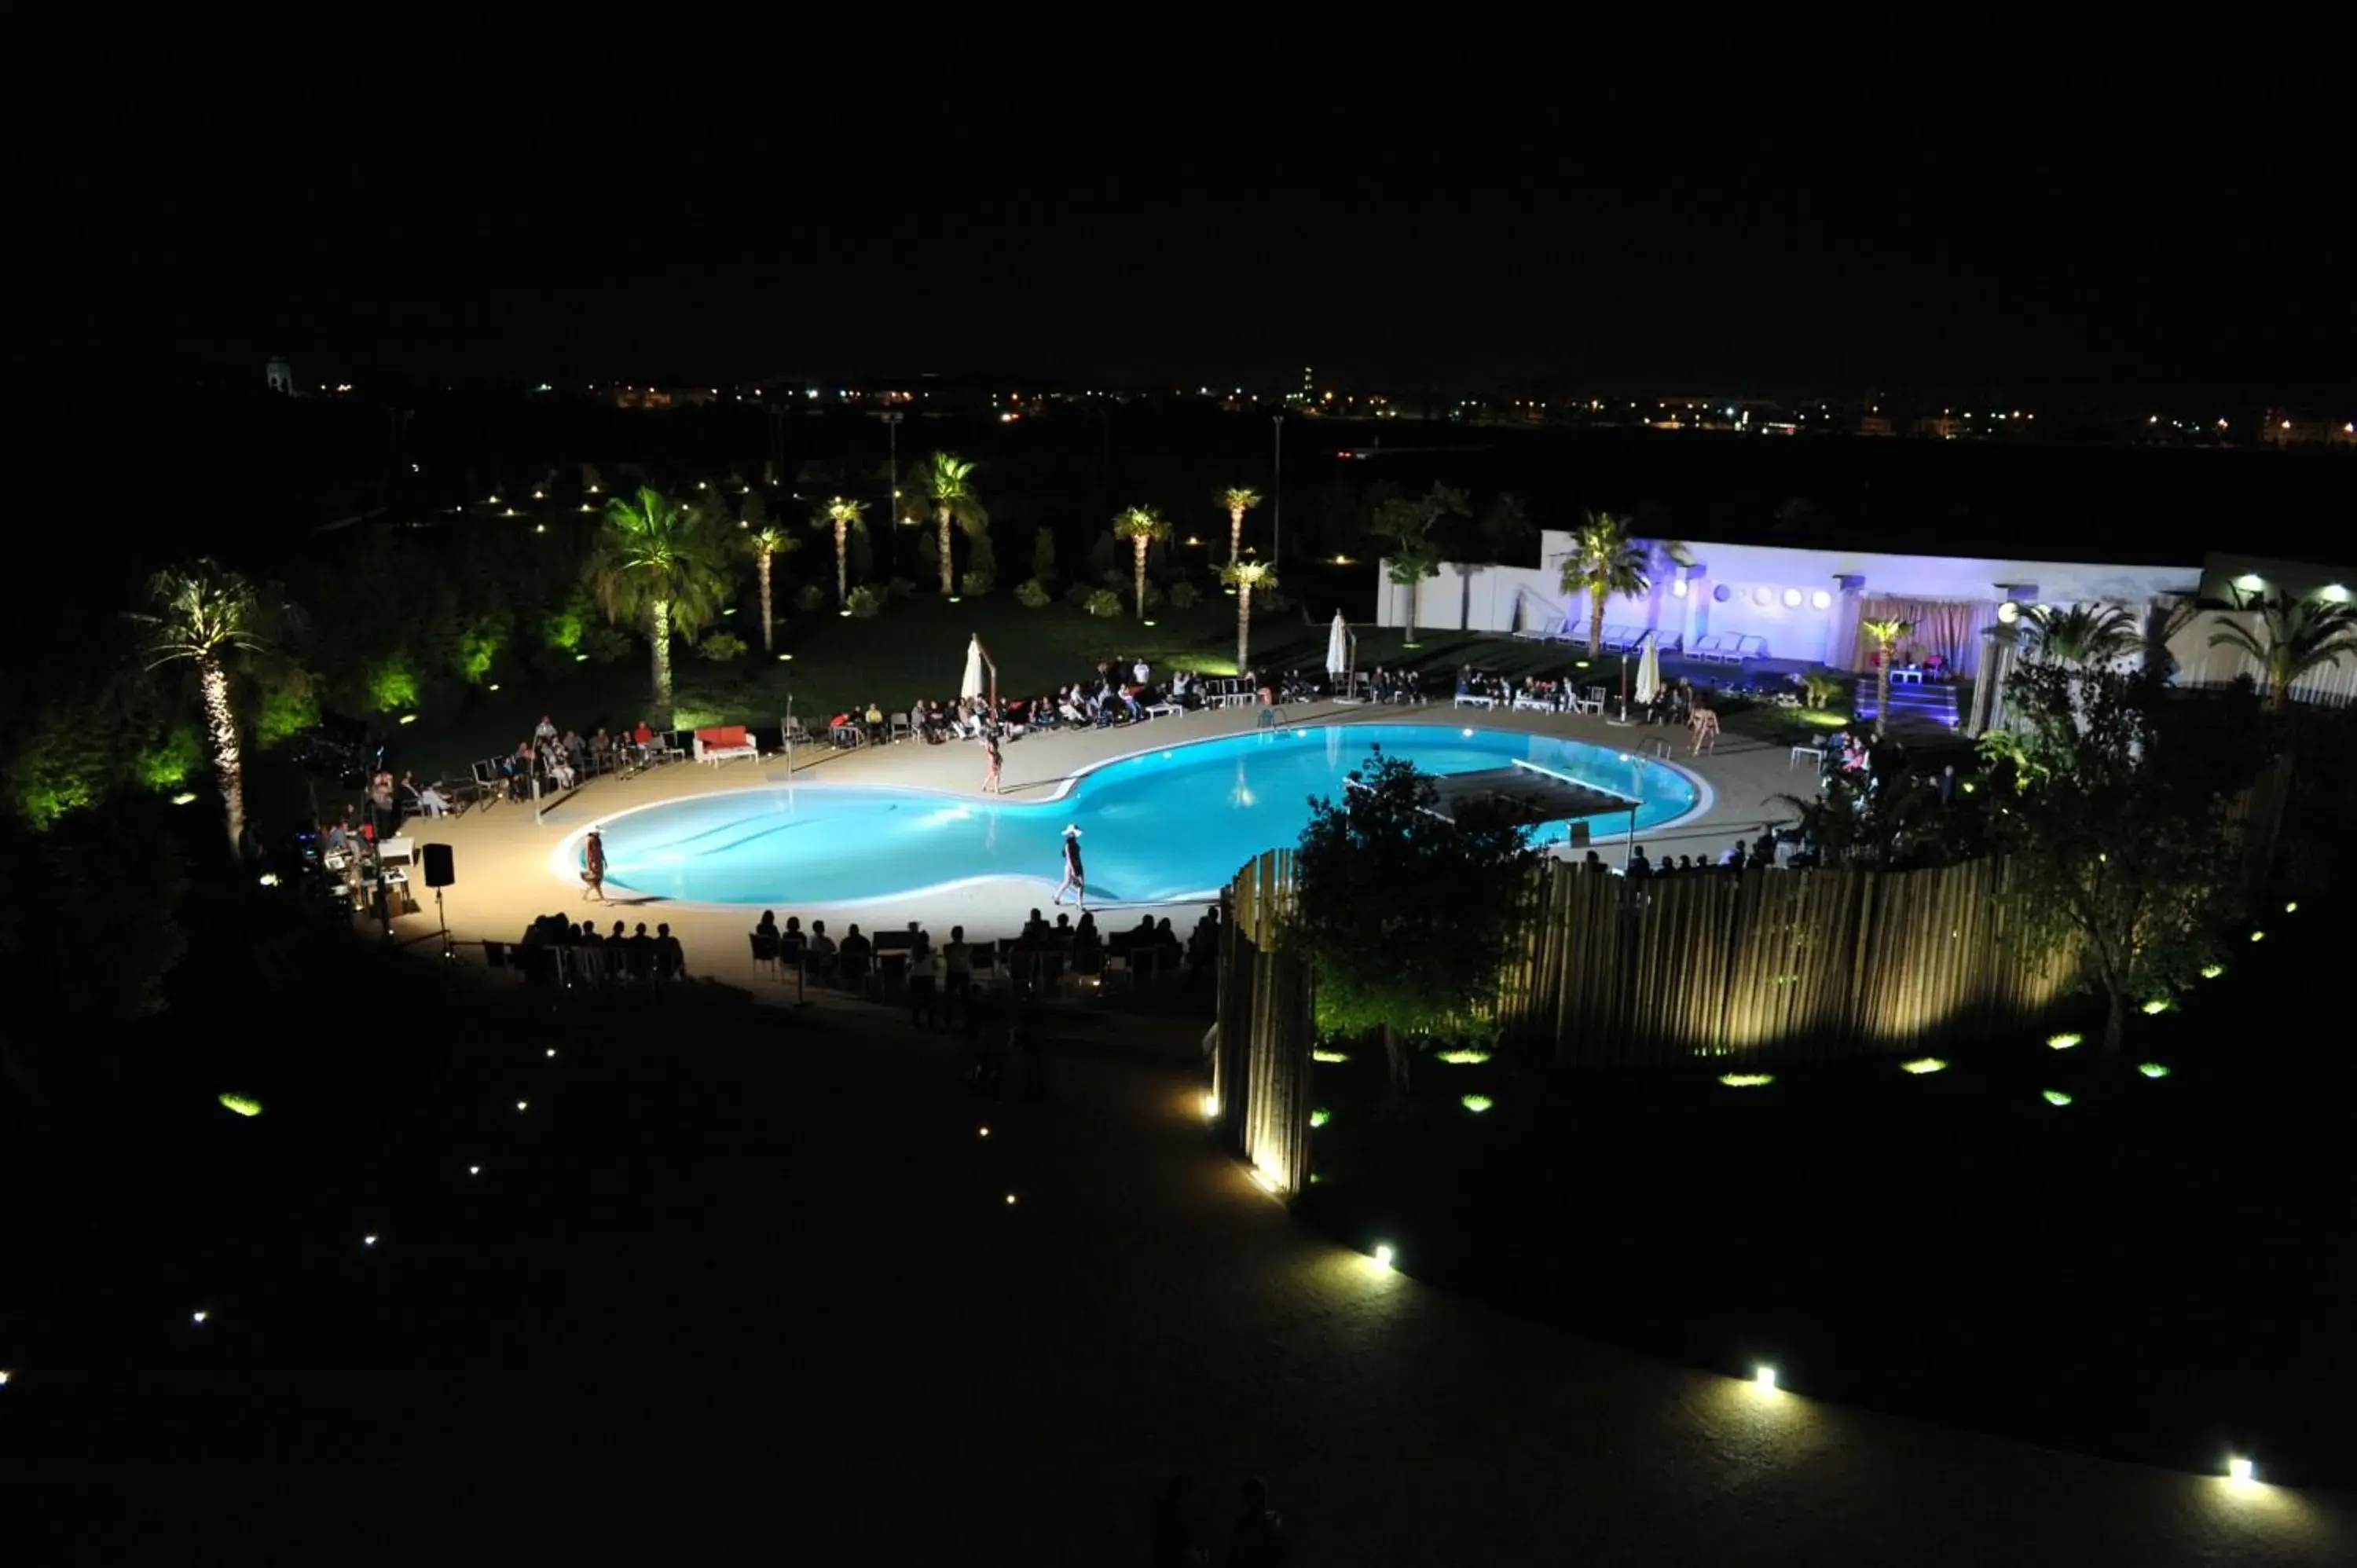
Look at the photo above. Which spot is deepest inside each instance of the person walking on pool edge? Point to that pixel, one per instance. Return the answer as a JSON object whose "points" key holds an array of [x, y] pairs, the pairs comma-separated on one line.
{"points": [[593, 866], [990, 749], [1075, 879]]}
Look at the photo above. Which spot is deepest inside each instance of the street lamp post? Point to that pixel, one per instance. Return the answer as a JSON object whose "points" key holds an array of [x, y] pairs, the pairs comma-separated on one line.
{"points": [[1276, 500], [892, 504]]}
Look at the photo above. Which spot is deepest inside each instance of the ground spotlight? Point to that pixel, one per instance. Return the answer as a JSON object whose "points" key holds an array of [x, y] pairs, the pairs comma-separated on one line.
{"points": [[2057, 1099], [198, 1316], [368, 1241], [1210, 1108], [2240, 1471], [523, 1106], [982, 1132], [474, 1170], [2064, 1041], [1010, 1200], [2258, 936], [2153, 1069], [1383, 1255], [1763, 1377]]}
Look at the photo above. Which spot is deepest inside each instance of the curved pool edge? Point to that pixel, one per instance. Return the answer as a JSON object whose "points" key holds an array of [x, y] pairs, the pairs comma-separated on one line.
{"points": [[564, 868]]}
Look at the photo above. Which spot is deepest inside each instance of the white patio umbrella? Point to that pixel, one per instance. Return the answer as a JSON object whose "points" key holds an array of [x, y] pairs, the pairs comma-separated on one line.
{"points": [[1337, 646], [972, 685], [1649, 674]]}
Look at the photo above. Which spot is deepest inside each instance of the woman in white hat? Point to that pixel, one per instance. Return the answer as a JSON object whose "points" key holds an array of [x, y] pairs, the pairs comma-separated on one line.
{"points": [[1075, 880]]}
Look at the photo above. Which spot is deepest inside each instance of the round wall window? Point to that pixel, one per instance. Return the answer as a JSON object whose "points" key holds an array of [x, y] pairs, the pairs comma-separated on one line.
{"points": [[1722, 593], [1821, 600], [1762, 596], [2008, 612], [1792, 598]]}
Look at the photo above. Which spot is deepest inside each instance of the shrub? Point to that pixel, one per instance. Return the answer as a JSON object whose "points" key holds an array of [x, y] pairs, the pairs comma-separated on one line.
{"points": [[606, 643], [976, 584], [478, 643], [865, 603], [172, 759], [810, 598], [290, 704], [1033, 594], [1104, 604], [562, 629], [1824, 689], [392, 685], [723, 646], [1183, 595]]}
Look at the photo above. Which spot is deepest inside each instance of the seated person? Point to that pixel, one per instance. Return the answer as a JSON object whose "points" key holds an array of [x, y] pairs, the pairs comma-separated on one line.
{"points": [[1034, 929], [873, 722], [822, 952], [854, 958]]}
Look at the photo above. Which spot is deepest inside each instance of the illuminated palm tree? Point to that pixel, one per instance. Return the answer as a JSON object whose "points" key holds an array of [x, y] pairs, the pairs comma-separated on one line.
{"points": [[1244, 576], [2302, 635], [1141, 525], [204, 614], [1236, 498], [2084, 634], [1604, 561], [663, 565], [765, 541], [1887, 634], [946, 481], [842, 516]]}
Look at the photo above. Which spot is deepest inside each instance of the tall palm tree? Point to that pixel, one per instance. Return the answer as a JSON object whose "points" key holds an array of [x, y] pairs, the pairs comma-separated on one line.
{"points": [[1887, 634], [1141, 525], [1604, 561], [946, 481], [1412, 556], [842, 516], [765, 541], [2085, 635], [661, 564], [1236, 497], [2303, 635], [204, 614], [1244, 576]]}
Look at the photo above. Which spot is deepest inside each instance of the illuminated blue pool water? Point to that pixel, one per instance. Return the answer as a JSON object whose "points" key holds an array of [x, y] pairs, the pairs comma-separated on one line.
{"points": [[1162, 825]]}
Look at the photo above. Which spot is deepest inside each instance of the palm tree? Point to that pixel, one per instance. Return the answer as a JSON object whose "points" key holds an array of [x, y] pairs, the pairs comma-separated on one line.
{"points": [[2084, 634], [1886, 634], [765, 541], [946, 481], [842, 516], [1236, 498], [2303, 635], [1141, 525], [2162, 619], [203, 614], [1412, 556], [662, 564], [1604, 561], [1244, 576]]}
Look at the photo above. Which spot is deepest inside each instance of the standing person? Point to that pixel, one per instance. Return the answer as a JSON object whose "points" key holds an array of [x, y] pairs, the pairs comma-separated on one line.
{"points": [[1258, 1539], [924, 992], [957, 973], [990, 785], [593, 866], [1075, 879]]}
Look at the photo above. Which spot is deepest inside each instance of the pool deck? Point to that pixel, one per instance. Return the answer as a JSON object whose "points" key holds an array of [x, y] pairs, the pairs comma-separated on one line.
{"points": [[503, 855]]}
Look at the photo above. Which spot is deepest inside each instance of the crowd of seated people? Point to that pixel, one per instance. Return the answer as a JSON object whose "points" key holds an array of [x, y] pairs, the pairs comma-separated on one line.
{"points": [[1482, 685], [1395, 686], [556, 950]]}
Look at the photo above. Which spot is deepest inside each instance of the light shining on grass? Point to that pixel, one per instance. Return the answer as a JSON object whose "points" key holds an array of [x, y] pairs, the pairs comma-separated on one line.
{"points": [[1464, 1058], [244, 1104], [2063, 1041], [2055, 1097], [2156, 1007], [2291, 907], [184, 798], [1319, 1117], [1331, 1058], [1477, 1104], [2212, 970], [409, 718], [1922, 1065], [1747, 1080], [2258, 936], [2153, 1069]]}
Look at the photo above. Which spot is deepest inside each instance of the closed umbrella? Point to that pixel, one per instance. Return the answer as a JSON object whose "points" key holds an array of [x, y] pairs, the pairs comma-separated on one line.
{"points": [[972, 685], [1338, 647], [1649, 674]]}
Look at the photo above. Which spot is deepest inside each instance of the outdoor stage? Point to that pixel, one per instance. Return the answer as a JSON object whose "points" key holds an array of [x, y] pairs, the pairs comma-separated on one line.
{"points": [[506, 876]]}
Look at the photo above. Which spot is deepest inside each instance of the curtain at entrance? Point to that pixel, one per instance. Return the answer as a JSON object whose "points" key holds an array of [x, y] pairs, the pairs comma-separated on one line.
{"points": [[1949, 628]]}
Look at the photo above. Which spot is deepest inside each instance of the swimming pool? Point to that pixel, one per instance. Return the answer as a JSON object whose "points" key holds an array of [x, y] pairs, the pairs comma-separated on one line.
{"points": [[1160, 825]]}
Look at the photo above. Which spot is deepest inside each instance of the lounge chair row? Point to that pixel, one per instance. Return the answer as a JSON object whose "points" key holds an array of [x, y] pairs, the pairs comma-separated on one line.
{"points": [[1728, 648]]}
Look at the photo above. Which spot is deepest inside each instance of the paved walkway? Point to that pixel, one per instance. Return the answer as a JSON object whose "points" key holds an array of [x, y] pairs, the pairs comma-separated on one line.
{"points": [[504, 854]]}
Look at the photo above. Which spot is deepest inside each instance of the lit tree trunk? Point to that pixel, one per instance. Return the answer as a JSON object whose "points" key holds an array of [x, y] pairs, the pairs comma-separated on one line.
{"points": [[1881, 690], [1235, 532], [1595, 623], [842, 579], [2115, 1020], [1408, 641], [228, 769], [769, 643], [1141, 542], [661, 637], [1244, 627], [949, 567]]}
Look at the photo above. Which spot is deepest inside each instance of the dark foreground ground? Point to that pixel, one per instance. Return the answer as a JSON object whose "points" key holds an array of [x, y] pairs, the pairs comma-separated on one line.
{"points": [[743, 1284]]}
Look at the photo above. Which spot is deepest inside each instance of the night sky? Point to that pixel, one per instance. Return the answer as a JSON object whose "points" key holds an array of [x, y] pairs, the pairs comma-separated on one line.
{"points": [[1739, 253]]}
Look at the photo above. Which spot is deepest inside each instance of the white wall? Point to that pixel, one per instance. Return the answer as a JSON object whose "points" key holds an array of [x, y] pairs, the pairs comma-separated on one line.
{"points": [[2199, 665]]}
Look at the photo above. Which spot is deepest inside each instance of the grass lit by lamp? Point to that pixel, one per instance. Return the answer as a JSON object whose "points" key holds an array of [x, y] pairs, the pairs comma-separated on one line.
{"points": [[244, 1104], [1382, 1257], [1922, 1065], [1476, 1104], [580, 658], [2153, 1069], [2055, 1097], [1747, 1080], [1319, 1117], [2212, 970], [409, 718], [2063, 1041], [1464, 1058], [2156, 1007], [2258, 936], [1331, 1058], [185, 798], [2291, 907]]}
